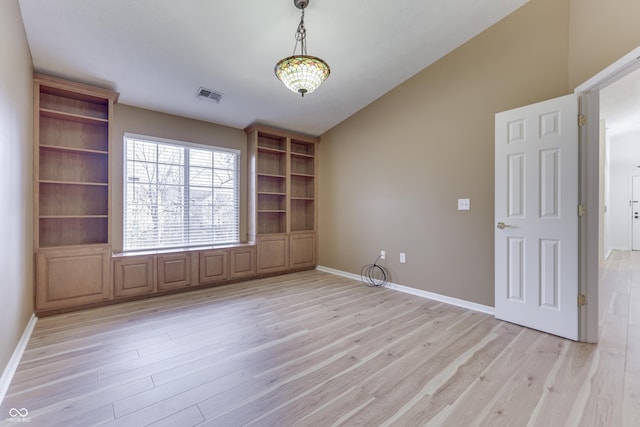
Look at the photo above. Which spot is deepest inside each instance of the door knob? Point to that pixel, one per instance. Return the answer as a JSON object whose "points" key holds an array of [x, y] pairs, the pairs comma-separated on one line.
{"points": [[501, 225]]}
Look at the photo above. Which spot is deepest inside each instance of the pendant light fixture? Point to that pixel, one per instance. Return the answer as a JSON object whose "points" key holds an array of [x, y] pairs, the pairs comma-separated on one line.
{"points": [[302, 73]]}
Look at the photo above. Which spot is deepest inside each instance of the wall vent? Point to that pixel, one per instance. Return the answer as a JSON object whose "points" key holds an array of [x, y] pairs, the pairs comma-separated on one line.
{"points": [[208, 95]]}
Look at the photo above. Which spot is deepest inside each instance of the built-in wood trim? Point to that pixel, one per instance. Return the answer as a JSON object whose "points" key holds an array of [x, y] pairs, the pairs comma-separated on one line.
{"points": [[72, 276], [273, 253], [134, 275], [213, 265], [174, 271], [281, 133], [242, 262], [270, 224], [36, 163], [82, 88], [303, 250], [252, 188]]}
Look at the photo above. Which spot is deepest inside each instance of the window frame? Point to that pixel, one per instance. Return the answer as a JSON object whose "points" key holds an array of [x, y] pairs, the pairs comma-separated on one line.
{"points": [[185, 186]]}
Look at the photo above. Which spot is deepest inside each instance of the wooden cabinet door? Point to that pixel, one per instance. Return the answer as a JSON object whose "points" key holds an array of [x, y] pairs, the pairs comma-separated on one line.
{"points": [[69, 277], [273, 253], [242, 262], [134, 275], [303, 250], [213, 265], [174, 271]]}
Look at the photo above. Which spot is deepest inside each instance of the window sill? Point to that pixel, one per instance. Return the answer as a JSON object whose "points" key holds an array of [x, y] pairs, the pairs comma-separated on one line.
{"points": [[181, 250]]}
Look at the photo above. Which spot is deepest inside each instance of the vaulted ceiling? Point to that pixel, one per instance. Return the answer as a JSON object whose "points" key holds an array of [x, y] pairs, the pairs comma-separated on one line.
{"points": [[157, 53]]}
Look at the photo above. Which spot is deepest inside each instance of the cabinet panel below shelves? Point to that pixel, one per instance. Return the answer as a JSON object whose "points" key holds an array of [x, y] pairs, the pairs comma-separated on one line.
{"points": [[213, 265], [69, 277], [134, 276], [303, 250], [242, 262], [273, 253], [174, 271]]}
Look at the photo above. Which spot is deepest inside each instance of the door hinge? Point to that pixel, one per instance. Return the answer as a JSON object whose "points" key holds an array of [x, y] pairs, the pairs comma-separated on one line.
{"points": [[582, 211], [582, 300], [582, 120]]}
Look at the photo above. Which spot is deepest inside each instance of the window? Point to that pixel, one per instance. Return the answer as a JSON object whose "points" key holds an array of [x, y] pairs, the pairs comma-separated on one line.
{"points": [[179, 194]]}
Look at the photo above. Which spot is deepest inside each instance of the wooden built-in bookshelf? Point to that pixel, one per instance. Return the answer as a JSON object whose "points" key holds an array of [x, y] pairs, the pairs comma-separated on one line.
{"points": [[74, 263], [282, 197], [72, 195], [71, 167]]}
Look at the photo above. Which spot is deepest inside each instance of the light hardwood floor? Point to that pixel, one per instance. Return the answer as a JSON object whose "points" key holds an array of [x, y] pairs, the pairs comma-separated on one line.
{"points": [[313, 349]]}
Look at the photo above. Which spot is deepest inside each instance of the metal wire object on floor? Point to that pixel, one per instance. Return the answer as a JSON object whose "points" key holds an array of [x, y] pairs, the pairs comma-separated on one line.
{"points": [[374, 274]]}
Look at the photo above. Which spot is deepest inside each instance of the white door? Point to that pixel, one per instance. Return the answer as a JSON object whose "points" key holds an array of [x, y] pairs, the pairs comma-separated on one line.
{"points": [[536, 213], [635, 212]]}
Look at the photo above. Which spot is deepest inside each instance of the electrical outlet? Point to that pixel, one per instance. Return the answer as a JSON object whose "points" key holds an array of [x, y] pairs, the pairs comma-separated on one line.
{"points": [[382, 254], [403, 258]]}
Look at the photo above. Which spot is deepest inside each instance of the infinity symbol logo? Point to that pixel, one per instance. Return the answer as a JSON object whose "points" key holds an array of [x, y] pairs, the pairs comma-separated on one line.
{"points": [[22, 412]]}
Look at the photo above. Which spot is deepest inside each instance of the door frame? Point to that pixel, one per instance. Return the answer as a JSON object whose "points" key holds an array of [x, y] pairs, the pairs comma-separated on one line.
{"points": [[632, 223], [589, 137]]}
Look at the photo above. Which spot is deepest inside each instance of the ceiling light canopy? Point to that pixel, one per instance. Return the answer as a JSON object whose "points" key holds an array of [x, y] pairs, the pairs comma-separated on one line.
{"points": [[302, 73]]}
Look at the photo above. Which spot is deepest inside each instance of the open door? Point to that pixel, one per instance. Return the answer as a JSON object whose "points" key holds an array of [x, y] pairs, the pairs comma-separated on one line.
{"points": [[536, 213]]}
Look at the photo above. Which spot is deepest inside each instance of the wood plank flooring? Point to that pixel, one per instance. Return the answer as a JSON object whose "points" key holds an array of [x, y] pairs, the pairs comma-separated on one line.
{"points": [[313, 349]]}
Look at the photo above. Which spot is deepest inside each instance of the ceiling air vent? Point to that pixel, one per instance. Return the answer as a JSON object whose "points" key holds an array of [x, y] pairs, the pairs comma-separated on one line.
{"points": [[208, 95]]}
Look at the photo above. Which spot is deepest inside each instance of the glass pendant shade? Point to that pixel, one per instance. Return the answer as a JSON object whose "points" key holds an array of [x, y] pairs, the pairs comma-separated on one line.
{"points": [[302, 73]]}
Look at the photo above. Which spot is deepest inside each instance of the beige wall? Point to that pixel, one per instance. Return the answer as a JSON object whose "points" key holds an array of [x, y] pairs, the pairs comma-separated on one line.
{"points": [[392, 173], [151, 123], [601, 33], [16, 179]]}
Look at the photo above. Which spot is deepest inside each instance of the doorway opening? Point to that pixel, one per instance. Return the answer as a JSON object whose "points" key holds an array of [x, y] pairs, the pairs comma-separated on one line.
{"points": [[596, 191], [620, 129]]}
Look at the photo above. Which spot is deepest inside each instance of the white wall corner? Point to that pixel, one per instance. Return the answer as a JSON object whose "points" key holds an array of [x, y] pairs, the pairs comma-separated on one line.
{"points": [[418, 292], [14, 361]]}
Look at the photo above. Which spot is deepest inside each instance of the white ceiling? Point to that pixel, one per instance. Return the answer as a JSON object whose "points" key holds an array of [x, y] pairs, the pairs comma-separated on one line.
{"points": [[157, 53]]}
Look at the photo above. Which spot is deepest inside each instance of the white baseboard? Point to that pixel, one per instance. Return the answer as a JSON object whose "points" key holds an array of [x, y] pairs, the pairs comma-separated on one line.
{"points": [[418, 292], [10, 369]]}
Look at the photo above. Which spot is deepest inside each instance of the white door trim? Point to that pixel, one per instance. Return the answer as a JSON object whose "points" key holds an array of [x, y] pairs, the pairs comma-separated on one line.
{"points": [[634, 186], [589, 95]]}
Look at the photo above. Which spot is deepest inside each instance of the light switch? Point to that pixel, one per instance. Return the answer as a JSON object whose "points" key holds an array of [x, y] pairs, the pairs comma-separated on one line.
{"points": [[464, 204]]}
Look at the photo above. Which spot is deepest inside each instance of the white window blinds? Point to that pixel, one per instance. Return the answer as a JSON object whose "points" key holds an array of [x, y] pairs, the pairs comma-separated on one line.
{"points": [[179, 194]]}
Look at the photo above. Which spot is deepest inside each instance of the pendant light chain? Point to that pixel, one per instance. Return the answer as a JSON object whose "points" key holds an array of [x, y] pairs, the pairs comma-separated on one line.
{"points": [[301, 36]]}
